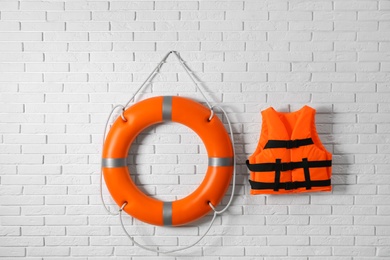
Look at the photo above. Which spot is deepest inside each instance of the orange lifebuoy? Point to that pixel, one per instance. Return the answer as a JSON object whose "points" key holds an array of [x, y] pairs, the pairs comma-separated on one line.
{"points": [[156, 110]]}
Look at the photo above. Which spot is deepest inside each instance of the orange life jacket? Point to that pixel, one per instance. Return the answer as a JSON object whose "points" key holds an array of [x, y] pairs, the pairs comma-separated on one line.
{"points": [[289, 157]]}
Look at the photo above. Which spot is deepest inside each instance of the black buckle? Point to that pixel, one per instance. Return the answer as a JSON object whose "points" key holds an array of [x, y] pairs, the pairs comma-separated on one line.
{"points": [[292, 144], [292, 185], [289, 186], [286, 166]]}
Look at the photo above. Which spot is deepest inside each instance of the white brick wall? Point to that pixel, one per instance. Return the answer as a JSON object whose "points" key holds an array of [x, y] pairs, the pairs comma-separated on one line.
{"points": [[64, 64]]}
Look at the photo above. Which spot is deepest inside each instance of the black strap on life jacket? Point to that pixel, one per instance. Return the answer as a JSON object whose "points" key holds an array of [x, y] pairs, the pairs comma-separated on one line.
{"points": [[288, 144], [307, 173], [287, 185], [270, 167], [278, 166]]}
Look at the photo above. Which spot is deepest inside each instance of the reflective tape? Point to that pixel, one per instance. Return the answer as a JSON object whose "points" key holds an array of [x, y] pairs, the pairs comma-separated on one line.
{"points": [[113, 163], [224, 161], [167, 214], [167, 108]]}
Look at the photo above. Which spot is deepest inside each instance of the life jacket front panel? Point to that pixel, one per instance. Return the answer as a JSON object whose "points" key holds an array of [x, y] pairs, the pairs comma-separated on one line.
{"points": [[290, 157]]}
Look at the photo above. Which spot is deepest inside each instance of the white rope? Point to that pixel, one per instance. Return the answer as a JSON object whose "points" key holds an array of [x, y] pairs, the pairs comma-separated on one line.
{"points": [[187, 70], [216, 212], [157, 69], [150, 76], [147, 80], [157, 250], [234, 164], [101, 166]]}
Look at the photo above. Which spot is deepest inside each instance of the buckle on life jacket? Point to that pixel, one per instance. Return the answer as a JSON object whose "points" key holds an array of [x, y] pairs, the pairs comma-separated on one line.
{"points": [[292, 144], [290, 185]]}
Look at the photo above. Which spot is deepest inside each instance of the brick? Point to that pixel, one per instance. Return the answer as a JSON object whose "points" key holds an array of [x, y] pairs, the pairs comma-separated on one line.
{"points": [[352, 230], [65, 36], [173, 5], [9, 6], [66, 241], [21, 158], [10, 26], [221, 26], [266, 250], [371, 220], [69, 16], [247, 15], [202, 15], [21, 200], [61, 180], [87, 26], [310, 251], [31, 149], [290, 56], [87, 231], [309, 210], [65, 77], [353, 128], [287, 220], [265, 210], [290, 16], [255, 26], [67, 118], [351, 5], [11, 190], [288, 241], [65, 57], [355, 251], [65, 221], [133, 5], [92, 251], [21, 241], [332, 241], [227, 251], [124, 27], [42, 26], [273, 6], [114, 15], [86, 6], [13, 251], [218, 5], [310, 6], [9, 231], [43, 210], [23, 15], [90, 46], [126, 251], [22, 221], [243, 241], [48, 251], [157, 15], [43, 231]]}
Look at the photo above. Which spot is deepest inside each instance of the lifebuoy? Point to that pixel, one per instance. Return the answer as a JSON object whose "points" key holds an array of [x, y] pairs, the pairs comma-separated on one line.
{"points": [[156, 110]]}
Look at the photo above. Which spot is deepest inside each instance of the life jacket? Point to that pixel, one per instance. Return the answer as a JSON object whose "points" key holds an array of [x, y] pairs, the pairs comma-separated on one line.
{"points": [[289, 157]]}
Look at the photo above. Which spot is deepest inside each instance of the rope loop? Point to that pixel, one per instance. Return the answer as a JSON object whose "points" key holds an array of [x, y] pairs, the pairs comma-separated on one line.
{"points": [[212, 113], [122, 115], [157, 250], [123, 206]]}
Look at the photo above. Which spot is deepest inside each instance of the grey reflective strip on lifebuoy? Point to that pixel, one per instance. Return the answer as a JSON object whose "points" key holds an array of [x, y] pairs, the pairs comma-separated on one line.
{"points": [[167, 214], [113, 163], [167, 108], [224, 161]]}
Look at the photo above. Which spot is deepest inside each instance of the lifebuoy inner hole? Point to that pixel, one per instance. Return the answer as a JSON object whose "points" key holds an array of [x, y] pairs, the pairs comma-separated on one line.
{"points": [[167, 161]]}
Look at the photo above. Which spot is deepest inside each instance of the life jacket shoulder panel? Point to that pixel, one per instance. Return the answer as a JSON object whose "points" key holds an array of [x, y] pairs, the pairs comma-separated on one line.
{"points": [[289, 157]]}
